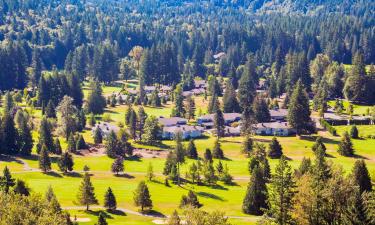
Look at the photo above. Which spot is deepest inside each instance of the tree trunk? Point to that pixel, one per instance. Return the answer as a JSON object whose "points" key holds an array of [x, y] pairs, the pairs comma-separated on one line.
{"points": [[87, 207]]}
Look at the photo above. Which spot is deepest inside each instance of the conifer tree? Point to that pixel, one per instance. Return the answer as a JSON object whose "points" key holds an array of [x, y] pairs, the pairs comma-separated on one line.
{"points": [[299, 110], [21, 188], [304, 167], [190, 108], [9, 135], [45, 136], [281, 193], [246, 86], [110, 200], [95, 100], [133, 124], [255, 200], [101, 219], [346, 146], [230, 102], [179, 101], [25, 139], [98, 138], [319, 144], [142, 116], [219, 123], [192, 150], [86, 192], [354, 132], [6, 181], [142, 196], [66, 163], [213, 104], [208, 155], [361, 176], [190, 200], [112, 146], [81, 143], [72, 145], [8, 103], [58, 149], [151, 131], [217, 152], [260, 109], [174, 219], [50, 111], [208, 172], [247, 146], [118, 165], [51, 198], [44, 160], [150, 172], [225, 176], [179, 152], [193, 173], [275, 150]]}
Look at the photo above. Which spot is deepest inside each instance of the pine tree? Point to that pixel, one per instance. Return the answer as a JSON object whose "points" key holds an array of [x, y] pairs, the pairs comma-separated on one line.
{"points": [[361, 176], [179, 101], [208, 172], [72, 145], [255, 200], [95, 100], [150, 172], [25, 139], [101, 219], [66, 163], [9, 135], [58, 149], [142, 196], [142, 116], [356, 80], [213, 104], [260, 109], [86, 192], [44, 160], [230, 102], [151, 131], [51, 198], [21, 188], [112, 146], [281, 193], [8, 103], [247, 146], [319, 144], [217, 152], [304, 167], [110, 200], [133, 124], [81, 143], [246, 87], [98, 137], [190, 200], [190, 108], [299, 110], [174, 219], [6, 181], [354, 132], [118, 166], [179, 152], [275, 150], [45, 136], [208, 155], [219, 123], [346, 146], [192, 150], [50, 111]]}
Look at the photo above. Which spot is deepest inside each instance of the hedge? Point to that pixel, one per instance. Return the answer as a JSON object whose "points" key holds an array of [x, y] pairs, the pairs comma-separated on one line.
{"points": [[328, 127]]}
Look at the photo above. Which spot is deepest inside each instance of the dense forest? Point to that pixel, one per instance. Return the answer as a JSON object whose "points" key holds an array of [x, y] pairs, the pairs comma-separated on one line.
{"points": [[98, 38]]}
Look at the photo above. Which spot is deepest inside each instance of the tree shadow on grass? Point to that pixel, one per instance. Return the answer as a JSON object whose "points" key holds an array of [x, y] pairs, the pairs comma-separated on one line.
{"points": [[73, 174], [103, 212], [133, 158], [30, 157], [117, 212], [359, 157], [7, 158], [124, 175], [209, 195], [152, 212], [54, 174]]}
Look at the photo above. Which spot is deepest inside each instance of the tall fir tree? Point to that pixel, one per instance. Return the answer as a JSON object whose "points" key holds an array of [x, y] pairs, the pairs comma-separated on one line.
{"points": [[275, 150], [44, 160], [86, 192], [142, 196], [361, 176], [110, 202], [345, 146], [6, 181], [255, 200]]}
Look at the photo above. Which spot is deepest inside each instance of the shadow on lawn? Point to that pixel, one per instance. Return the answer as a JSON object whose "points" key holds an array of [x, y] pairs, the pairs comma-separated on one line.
{"points": [[124, 175], [152, 212], [54, 174], [73, 174], [7, 158], [209, 195], [103, 212]]}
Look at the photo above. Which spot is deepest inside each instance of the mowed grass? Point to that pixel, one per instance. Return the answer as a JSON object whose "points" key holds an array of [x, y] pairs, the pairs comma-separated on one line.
{"points": [[357, 109]]}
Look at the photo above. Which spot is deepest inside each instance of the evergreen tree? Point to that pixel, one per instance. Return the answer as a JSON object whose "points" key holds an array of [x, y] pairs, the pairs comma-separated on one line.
{"points": [[230, 101], [217, 152], [354, 132], [192, 150], [112, 146], [51, 198], [86, 192], [142, 196], [179, 152], [355, 84], [110, 200], [45, 136], [151, 131], [66, 163], [247, 83], [208, 155], [281, 193], [304, 167], [260, 109], [9, 135], [319, 144], [75, 89], [142, 116], [118, 166], [21, 188], [361, 176], [6, 181], [346, 146], [50, 111], [98, 138], [25, 139], [247, 146], [255, 200], [133, 124], [67, 116], [8, 103], [179, 101], [219, 123], [44, 160], [72, 145], [174, 219], [190, 108], [208, 172], [81, 143], [213, 104], [58, 149], [299, 110], [155, 99], [190, 200], [275, 150], [101, 219], [95, 100]]}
